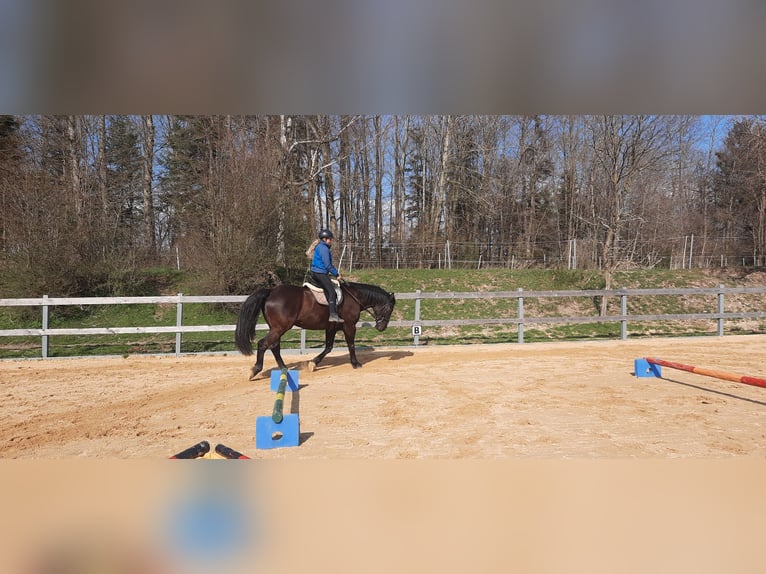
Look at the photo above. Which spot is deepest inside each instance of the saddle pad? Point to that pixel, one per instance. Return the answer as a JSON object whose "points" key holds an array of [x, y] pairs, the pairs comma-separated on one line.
{"points": [[319, 295]]}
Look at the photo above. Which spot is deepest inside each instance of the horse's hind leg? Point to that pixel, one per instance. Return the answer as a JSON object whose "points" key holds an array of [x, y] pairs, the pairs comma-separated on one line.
{"points": [[270, 341], [278, 355], [258, 366]]}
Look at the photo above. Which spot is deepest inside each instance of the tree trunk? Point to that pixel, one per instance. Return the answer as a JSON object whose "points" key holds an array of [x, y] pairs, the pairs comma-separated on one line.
{"points": [[398, 220], [147, 123], [439, 201], [284, 124], [344, 181], [608, 268], [74, 138], [102, 183], [378, 190]]}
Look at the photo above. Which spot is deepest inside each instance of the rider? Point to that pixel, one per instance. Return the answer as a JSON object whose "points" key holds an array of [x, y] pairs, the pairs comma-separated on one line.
{"points": [[322, 268]]}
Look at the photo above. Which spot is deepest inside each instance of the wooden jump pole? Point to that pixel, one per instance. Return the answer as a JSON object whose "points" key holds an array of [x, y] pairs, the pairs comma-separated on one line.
{"points": [[755, 381], [198, 450], [276, 414], [229, 453]]}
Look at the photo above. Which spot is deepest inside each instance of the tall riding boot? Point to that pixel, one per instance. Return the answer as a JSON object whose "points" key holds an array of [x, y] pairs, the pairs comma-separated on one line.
{"points": [[334, 314]]}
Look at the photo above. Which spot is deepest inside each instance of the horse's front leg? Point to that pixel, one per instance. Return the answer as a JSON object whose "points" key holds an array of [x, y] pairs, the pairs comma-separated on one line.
{"points": [[350, 332], [329, 342]]}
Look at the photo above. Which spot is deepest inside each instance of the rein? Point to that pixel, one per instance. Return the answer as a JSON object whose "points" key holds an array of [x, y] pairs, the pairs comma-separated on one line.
{"points": [[361, 305]]}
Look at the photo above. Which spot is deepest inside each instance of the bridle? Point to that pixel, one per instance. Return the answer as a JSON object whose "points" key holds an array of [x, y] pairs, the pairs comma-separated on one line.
{"points": [[378, 320], [361, 305]]}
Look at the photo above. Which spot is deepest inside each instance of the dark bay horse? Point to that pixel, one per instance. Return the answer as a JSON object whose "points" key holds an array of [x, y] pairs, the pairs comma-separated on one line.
{"points": [[286, 306]]}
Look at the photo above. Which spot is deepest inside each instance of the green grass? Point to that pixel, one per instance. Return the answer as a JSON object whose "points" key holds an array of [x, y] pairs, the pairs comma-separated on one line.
{"points": [[403, 281]]}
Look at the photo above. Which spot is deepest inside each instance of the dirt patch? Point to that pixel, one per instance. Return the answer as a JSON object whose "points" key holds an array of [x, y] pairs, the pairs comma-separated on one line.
{"points": [[755, 279], [561, 400]]}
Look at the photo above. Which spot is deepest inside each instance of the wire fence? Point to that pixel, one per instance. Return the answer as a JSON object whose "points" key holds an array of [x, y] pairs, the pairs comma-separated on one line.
{"points": [[680, 253]]}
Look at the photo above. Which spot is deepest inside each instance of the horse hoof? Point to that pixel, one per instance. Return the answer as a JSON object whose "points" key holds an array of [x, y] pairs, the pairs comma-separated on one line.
{"points": [[311, 366], [253, 374], [357, 365]]}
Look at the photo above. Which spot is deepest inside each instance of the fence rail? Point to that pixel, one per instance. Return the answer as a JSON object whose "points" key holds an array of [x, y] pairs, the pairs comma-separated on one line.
{"points": [[415, 324]]}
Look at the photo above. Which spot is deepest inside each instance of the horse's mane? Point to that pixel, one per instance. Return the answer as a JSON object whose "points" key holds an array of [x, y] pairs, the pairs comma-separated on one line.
{"points": [[370, 294]]}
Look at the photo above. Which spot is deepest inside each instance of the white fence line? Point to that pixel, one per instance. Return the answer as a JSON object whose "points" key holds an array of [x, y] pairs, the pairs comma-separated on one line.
{"points": [[416, 323]]}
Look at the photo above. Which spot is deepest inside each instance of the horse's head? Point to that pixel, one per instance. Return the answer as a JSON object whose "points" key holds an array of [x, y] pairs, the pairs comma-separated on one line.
{"points": [[383, 311], [379, 302]]}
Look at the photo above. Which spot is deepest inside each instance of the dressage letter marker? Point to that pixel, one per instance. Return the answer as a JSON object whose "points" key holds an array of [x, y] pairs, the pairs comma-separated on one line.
{"points": [[279, 430]]}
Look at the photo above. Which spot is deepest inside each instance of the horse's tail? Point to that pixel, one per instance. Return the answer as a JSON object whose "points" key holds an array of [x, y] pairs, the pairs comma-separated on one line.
{"points": [[248, 316]]}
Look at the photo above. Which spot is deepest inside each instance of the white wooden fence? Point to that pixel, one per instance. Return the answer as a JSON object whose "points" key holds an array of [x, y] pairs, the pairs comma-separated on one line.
{"points": [[416, 324]]}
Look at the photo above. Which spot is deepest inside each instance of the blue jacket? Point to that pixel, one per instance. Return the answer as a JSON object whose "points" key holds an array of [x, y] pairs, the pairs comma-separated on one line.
{"points": [[322, 260]]}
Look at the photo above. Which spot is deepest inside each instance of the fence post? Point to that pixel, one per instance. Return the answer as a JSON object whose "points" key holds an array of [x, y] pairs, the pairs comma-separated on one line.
{"points": [[179, 322], [303, 341], [45, 327], [416, 337], [624, 313], [720, 310], [521, 317]]}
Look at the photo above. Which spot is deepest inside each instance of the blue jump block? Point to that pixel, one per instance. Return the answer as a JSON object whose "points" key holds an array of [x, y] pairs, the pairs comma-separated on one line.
{"points": [[269, 434], [292, 380], [643, 368]]}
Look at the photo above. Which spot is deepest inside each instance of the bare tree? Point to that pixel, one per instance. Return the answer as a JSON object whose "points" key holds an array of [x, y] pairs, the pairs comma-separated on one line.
{"points": [[378, 169], [437, 215], [625, 149], [147, 181], [74, 163], [398, 204], [741, 184]]}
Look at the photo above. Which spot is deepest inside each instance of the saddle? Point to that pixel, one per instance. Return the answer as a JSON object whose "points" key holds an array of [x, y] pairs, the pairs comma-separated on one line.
{"points": [[319, 295]]}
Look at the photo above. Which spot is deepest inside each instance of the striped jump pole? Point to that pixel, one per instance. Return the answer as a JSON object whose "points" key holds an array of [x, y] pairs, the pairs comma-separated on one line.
{"points": [[279, 430], [201, 450], [276, 414], [197, 451], [229, 453], [650, 367]]}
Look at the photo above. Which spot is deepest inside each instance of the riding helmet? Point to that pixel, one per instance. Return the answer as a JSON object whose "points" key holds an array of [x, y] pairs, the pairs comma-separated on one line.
{"points": [[326, 234]]}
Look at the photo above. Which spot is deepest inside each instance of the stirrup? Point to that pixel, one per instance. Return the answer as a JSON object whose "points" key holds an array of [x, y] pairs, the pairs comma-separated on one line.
{"points": [[334, 318]]}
